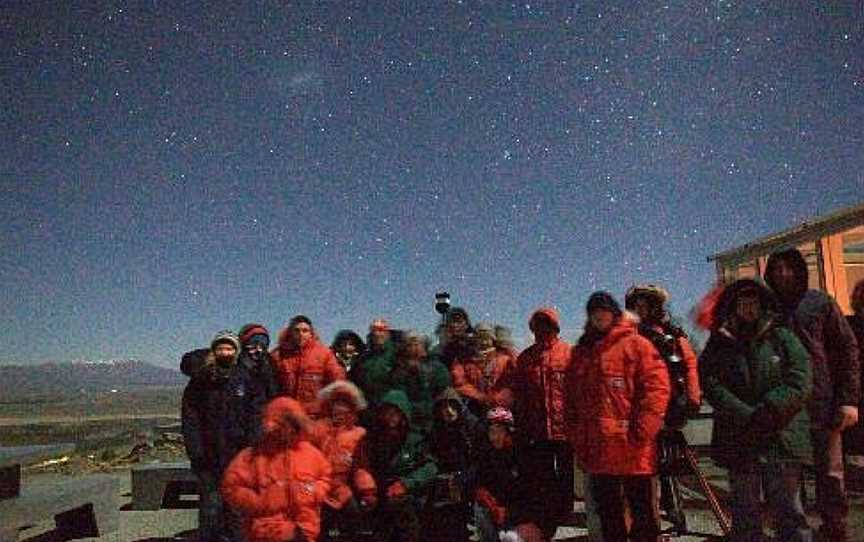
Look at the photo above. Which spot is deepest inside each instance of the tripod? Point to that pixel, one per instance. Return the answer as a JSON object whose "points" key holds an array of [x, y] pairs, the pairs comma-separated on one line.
{"points": [[677, 459]]}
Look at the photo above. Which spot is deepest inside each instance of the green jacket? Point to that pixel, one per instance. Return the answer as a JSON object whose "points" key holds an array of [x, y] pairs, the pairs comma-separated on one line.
{"points": [[411, 464], [372, 373], [758, 389], [421, 387]]}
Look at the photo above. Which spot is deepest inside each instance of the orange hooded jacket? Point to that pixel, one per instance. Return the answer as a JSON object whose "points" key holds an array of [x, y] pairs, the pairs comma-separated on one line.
{"points": [[302, 371], [618, 389], [277, 489]]}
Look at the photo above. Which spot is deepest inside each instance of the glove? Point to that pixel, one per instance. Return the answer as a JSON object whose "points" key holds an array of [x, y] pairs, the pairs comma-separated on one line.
{"points": [[273, 529], [338, 497], [499, 515], [846, 417], [397, 490]]}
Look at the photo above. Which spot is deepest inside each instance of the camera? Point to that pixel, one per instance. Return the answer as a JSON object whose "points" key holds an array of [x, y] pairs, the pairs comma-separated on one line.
{"points": [[442, 303]]}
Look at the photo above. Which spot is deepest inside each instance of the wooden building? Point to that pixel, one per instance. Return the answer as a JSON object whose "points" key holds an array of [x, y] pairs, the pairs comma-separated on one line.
{"points": [[832, 245]]}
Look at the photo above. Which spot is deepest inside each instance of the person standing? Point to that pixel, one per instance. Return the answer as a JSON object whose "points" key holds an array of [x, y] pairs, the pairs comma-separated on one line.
{"points": [[819, 324], [536, 385], [618, 390], [756, 376], [853, 439], [219, 418], [304, 365]]}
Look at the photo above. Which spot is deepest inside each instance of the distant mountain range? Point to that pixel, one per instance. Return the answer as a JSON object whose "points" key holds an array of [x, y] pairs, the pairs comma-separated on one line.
{"points": [[76, 377]]}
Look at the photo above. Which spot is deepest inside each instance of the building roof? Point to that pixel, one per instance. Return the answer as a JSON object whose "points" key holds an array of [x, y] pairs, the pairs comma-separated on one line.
{"points": [[811, 230]]}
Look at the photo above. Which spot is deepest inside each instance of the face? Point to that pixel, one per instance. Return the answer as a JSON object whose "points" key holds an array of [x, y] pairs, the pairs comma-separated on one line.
{"points": [[748, 309], [346, 349], [543, 326], [224, 352], [255, 349], [602, 319], [378, 336], [302, 333], [448, 411], [457, 327], [390, 417], [284, 431], [414, 349], [499, 437], [642, 308], [485, 340], [341, 414], [783, 277]]}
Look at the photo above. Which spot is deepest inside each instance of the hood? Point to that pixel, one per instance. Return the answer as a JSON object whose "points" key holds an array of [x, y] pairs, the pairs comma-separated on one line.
{"points": [[398, 399], [341, 390], [450, 394], [281, 408], [795, 259], [348, 335], [626, 324], [285, 341], [725, 306], [548, 312]]}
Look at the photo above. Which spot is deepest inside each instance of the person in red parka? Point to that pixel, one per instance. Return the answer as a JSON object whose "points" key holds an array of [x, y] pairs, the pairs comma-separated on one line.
{"points": [[475, 378], [536, 384], [617, 389], [343, 443], [278, 485], [303, 364]]}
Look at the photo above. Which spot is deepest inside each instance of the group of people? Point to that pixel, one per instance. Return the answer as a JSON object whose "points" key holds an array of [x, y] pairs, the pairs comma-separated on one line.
{"points": [[393, 439]]}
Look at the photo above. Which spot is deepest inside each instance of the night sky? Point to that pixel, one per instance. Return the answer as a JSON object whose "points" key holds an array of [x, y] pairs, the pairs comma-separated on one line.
{"points": [[170, 169]]}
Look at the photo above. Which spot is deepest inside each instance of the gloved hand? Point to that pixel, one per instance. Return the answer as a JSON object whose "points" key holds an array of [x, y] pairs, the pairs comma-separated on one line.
{"points": [[847, 416], [337, 498], [273, 529], [397, 490], [499, 515]]}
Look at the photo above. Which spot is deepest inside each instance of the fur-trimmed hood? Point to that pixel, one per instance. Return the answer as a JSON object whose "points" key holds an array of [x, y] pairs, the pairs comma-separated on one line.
{"points": [[341, 390]]}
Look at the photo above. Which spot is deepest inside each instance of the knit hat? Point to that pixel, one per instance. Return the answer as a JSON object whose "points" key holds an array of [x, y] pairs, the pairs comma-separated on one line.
{"points": [[603, 300], [249, 331], [225, 336], [484, 327]]}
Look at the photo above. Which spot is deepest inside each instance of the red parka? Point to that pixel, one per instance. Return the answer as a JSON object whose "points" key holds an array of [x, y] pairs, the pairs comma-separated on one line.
{"points": [[476, 379], [536, 383], [618, 389], [276, 489], [303, 370]]}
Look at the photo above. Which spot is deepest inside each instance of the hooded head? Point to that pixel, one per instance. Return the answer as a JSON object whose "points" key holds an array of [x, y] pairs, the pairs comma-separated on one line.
{"points": [[738, 303], [379, 333], [484, 336], [544, 324], [394, 415], [413, 346], [648, 301], [457, 322], [225, 347], [255, 339], [786, 274], [856, 300], [448, 406], [341, 401], [282, 421]]}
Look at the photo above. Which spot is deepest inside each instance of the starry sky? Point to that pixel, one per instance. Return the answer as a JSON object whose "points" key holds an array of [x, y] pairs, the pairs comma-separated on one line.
{"points": [[170, 169]]}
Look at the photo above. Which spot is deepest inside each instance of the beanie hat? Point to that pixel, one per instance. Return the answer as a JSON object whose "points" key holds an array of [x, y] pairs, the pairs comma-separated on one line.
{"points": [[484, 327], [379, 324], [549, 314], [603, 300], [251, 330], [225, 336]]}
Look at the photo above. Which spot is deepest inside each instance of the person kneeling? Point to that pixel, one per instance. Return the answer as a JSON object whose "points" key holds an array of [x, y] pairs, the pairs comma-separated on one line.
{"points": [[278, 485]]}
